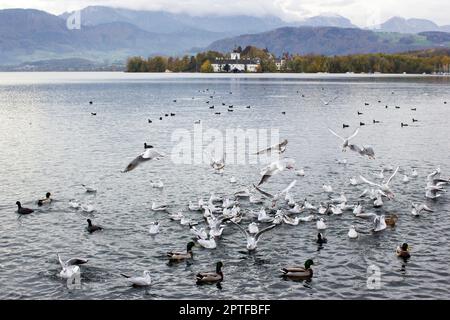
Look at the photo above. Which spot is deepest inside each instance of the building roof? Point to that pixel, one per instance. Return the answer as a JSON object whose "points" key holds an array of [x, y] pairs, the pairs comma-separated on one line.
{"points": [[237, 61]]}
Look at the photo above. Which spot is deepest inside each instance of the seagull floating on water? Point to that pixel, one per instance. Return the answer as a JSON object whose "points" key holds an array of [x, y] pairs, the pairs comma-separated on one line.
{"points": [[144, 281], [70, 267]]}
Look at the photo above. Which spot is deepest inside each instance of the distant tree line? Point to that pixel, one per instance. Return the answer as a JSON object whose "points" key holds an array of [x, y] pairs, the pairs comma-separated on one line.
{"points": [[370, 63], [427, 61]]}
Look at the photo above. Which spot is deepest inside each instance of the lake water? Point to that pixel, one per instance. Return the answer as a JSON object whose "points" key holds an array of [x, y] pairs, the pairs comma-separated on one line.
{"points": [[50, 142]]}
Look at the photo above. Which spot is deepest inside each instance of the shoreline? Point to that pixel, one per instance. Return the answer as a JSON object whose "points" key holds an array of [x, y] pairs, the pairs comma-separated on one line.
{"points": [[61, 77]]}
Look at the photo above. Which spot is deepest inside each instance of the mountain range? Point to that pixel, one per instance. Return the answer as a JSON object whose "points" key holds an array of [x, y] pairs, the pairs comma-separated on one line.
{"points": [[110, 35], [333, 41]]}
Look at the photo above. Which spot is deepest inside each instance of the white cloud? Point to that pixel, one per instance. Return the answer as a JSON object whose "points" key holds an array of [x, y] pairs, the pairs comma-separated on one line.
{"points": [[361, 12]]}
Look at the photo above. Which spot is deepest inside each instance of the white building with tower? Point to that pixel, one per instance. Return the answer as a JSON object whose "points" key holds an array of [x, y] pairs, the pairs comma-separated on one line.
{"points": [[236, 64]]}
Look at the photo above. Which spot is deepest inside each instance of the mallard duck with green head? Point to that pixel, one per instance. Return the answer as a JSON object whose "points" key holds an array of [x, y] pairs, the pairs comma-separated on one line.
{"points": [[403, 251], [178, 256], [211, 277], [299, 272]]}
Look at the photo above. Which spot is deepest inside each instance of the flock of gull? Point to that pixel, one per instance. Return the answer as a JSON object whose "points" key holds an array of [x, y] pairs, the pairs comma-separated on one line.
{"points": [[271, 209]]}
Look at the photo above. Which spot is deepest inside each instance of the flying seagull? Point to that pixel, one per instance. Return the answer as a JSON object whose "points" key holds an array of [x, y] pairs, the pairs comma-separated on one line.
{"points": [[384, 186], [280, 148], [278, 195], [252, 240], [345, 140], [275, 168], [148, 154]]}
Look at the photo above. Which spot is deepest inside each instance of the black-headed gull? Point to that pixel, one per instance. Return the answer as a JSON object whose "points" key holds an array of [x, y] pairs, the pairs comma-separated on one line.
{"points": [[277, 196], [279, 148], [70, 267], [384, 186], [418, 208], [275, 168], [147, 155], [143, 281], [252, 240], [345, 140]]}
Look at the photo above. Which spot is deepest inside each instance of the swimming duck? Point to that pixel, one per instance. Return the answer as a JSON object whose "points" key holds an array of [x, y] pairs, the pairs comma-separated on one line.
{"points": [[154, 228], [414, 173], [146, 146], [391, 220], [403, 251], [22, 210], [46, 200], [352, 234], [211, 277], [92, 228], [143, 281], [299, 272], [178, 256], [321, 239]]}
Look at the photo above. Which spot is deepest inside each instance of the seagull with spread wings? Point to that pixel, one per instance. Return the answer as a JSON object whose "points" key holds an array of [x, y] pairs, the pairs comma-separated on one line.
{"points": [[384, 186], [327, 102], [277, 196], [70, 267], [218, 165], [279, 148], [147, 155], [274, 168], [364, 151], [252, 240], [345, 140]]}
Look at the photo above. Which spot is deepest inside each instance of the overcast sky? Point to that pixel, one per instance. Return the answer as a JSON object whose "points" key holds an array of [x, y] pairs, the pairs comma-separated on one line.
{"points": [[361, 12]]}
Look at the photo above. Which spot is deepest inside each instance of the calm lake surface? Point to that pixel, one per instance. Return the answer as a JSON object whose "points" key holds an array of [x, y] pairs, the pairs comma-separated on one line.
{"points": [[50, 142]]}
